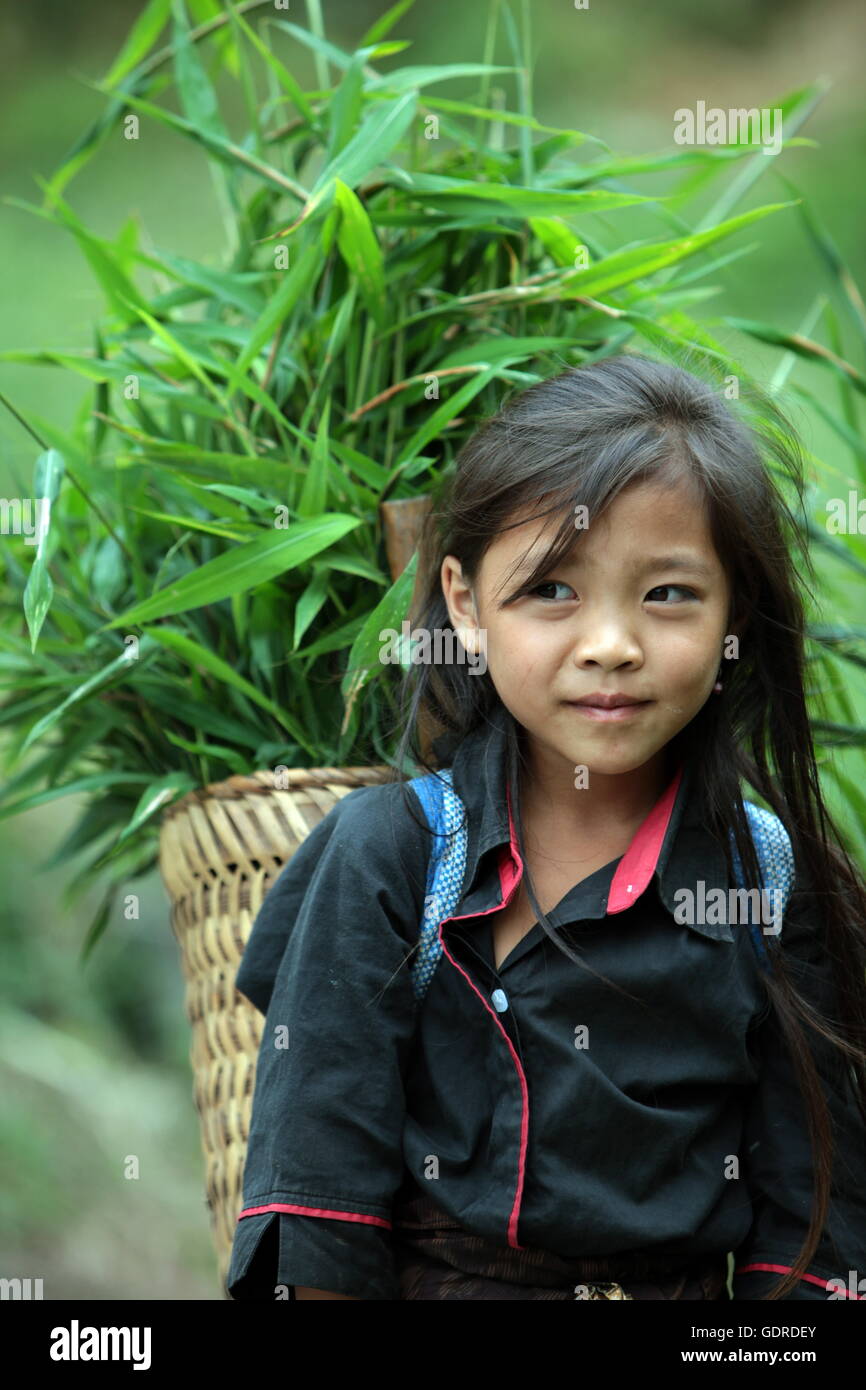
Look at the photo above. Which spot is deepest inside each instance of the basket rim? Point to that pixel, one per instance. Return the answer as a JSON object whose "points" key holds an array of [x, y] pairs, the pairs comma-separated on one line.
{"points": [[261, 783]]}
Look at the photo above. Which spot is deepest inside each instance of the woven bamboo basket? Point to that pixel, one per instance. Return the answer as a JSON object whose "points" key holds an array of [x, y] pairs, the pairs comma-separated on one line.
{"points": [[220, 850]]}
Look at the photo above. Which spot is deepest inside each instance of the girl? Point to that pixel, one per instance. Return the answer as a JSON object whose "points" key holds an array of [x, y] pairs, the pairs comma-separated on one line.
{"points": [[605, 1091]]}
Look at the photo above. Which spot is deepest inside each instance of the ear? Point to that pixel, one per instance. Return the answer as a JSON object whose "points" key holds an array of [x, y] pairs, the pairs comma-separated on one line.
{"points": [[459, 596]]}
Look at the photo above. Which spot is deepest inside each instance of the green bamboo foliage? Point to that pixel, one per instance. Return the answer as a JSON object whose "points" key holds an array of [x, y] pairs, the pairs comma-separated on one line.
{"points": [[208, 596]]}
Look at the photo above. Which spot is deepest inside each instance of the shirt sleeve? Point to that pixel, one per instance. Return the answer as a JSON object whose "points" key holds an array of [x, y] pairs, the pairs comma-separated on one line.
{"points": [[776, 1147], [328, 962]]}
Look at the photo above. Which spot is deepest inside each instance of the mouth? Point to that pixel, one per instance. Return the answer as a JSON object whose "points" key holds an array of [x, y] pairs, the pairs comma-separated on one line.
{"points": [[609, 713]]}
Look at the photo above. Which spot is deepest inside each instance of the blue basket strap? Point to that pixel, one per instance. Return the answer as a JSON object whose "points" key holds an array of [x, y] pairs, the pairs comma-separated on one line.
{"points": [[776, 865], [445, 816]]}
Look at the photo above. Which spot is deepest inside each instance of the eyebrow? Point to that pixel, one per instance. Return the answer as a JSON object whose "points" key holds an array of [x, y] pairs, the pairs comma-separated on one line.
{"points": [[642, 566], [674, 562]]}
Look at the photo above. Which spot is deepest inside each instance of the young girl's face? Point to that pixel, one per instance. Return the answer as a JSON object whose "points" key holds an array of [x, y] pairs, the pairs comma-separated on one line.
{"points": [[640, 608]]}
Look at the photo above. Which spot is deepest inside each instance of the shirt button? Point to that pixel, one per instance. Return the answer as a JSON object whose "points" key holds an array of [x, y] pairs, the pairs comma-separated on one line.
{"points": [[499, 1000]]}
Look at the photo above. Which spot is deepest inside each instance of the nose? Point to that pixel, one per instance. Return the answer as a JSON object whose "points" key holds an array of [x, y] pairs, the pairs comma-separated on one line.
{"points": [[607, 641]]}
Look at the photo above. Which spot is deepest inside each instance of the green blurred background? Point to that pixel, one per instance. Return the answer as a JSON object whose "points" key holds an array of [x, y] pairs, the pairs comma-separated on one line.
{"points": [[93, 1059]]}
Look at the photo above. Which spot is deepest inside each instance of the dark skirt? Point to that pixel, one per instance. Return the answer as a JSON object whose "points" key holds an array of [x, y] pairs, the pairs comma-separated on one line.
{"points": [[438, 1259]]}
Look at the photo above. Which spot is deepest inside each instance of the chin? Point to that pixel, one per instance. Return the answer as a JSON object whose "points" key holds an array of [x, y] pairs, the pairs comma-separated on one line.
{"points": [[616, 767], [604, 762]]}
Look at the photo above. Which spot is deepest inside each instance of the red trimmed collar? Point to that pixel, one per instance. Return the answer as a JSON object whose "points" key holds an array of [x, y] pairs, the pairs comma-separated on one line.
{"points": [[635, 869]]}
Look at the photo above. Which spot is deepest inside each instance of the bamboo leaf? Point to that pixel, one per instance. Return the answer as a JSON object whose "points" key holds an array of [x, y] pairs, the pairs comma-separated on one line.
{"points": [[803, 347], [96, 782], [98, 820], [412, 78], [309, 604], [335, 55], [116, 670], [829, 254], [109, 574], [192, 523], [437, 421], [298, 280], [500, 114], [314, 494], [854, 441], [196, 92], [141, 38], [625, 266], [361, 251], [171, 703], [365, 659], [288, 83], [839, 735], [102, 370], [836, 548], [385, 23], [374, 140], [796, 108], [158, 795], [504, 349], [225, 150], [39, 589], [236, 764], [246, 292], [345, 108], [240, 569], [195, 655], [350, 564], [512, 200], [189, 462], [240, 494], [119, 290]]}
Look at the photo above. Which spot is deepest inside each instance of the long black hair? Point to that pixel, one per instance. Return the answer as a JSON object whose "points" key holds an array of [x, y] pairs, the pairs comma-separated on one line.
{"points": [[580, 437]]}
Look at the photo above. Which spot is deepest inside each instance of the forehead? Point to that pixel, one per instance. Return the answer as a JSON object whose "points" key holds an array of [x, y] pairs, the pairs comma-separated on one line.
{"points": [[644, 513]]}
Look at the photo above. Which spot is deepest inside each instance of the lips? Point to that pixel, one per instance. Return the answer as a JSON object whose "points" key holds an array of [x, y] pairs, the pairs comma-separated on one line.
{"points": [[609, 709], [599, 701]]}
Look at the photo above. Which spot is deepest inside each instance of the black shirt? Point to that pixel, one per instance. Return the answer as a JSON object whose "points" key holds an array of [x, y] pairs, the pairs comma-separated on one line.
{"points": [[535, 1104]]}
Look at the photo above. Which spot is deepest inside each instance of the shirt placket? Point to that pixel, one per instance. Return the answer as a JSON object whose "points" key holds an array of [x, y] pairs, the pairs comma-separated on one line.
{"points": [[495, 1002]]}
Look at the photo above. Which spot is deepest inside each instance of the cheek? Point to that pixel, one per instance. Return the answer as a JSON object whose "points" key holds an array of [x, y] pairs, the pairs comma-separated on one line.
{"points": [[691, 666], [515, 651], [550, 641]]}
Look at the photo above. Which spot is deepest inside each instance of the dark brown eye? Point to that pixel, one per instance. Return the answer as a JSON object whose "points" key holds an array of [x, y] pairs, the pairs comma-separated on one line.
{"points": [[549, 584], [664, 588]]}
